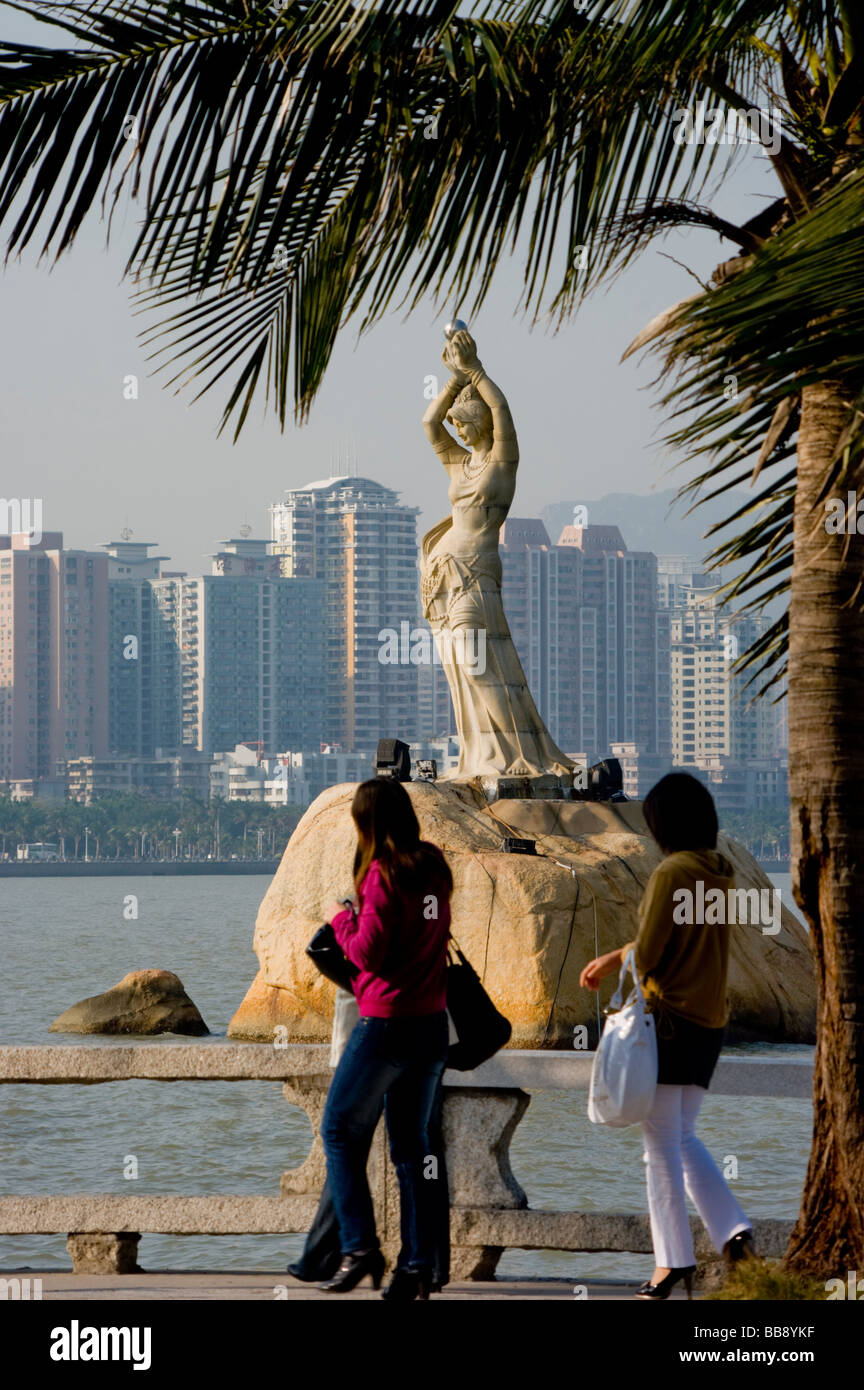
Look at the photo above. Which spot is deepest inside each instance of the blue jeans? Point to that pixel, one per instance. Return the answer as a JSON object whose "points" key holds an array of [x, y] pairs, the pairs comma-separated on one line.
{"points": [[397, 1063]]}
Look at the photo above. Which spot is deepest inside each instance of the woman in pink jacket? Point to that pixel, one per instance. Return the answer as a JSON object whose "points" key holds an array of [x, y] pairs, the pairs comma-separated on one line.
{"points": [[396, 1054]]}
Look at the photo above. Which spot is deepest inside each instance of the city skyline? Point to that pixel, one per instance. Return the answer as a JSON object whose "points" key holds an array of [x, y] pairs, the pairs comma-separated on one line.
{"points": [[681, 535], [612, 639]]}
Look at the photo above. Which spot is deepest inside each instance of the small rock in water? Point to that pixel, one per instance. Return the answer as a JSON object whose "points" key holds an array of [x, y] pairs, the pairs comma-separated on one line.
{"points": [[144, 1001]]}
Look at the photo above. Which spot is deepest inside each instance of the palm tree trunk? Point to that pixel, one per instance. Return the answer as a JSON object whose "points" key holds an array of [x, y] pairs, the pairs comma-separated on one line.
{"points": [[826, 767]]}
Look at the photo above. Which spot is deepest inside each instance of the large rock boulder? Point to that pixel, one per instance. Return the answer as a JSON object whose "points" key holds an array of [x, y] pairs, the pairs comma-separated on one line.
{"points": [[144, 1001], [526, 923]]}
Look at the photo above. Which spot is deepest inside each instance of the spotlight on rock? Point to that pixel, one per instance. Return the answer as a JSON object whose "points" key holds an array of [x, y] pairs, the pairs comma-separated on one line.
{"points": [[393, 759], [514, 845], [606, 781]]}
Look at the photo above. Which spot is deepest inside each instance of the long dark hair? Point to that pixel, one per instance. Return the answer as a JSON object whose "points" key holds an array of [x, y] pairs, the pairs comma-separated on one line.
{"points": [[681, 814], [388, 831]]}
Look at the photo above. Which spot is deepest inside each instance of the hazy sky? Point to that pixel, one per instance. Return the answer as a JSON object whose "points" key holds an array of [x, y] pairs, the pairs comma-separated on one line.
{"points": [[68, 338]]}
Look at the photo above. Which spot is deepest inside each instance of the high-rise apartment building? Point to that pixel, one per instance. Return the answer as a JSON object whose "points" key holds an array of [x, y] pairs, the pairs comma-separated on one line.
{"points": [[252, 652], [594, 644], [623, 639], [53, 655], [541, 591], [144, 682], [677, 573], [713, 717], [354, 537], [436, 717]]}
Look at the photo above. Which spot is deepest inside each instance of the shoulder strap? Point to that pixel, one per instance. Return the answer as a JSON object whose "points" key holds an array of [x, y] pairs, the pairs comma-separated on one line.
{"points": [[628, 963]]}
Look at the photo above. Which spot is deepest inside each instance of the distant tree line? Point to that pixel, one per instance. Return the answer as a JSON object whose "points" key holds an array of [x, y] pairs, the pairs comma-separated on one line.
{"points": [[764, 832], [130, 826]]}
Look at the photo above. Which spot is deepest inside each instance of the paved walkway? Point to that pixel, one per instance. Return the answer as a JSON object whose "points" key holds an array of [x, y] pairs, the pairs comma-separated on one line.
{"points": [[167, 1286]]}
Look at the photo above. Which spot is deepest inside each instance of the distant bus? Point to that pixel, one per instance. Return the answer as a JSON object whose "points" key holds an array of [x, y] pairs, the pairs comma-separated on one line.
{"points": [[41, 851]]}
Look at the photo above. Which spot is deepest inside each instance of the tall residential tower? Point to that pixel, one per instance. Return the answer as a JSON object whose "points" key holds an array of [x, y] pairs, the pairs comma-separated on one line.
{"points": [[356, 538], [252, 652], [143, 654], [53, 655]]}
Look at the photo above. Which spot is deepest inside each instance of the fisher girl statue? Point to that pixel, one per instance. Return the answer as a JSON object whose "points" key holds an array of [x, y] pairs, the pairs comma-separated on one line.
{"points": [[501, 733]]}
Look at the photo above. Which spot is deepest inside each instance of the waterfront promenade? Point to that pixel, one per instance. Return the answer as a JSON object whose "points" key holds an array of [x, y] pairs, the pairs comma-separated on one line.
{"points": [[280, 1287], [134, 868]]}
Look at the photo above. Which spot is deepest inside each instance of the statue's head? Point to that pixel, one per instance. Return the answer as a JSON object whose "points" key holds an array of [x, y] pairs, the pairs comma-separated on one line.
{"points": [[471, 417]]}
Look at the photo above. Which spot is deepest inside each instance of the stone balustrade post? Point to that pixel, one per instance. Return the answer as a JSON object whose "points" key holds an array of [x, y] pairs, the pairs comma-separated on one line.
{"points": [[104, 1253], [478, 1124]]}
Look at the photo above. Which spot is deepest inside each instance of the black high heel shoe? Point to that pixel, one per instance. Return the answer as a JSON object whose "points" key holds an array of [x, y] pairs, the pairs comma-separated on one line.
{"points": [[739, 1247], [408, 1284], [665, 1287], [354, 1267]]}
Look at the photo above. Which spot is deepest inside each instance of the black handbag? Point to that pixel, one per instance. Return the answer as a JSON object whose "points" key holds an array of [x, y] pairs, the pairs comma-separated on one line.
{"points": [[481, 1030], [327, 955]]}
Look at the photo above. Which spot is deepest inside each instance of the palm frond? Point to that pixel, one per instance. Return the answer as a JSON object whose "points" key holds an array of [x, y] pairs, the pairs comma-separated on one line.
{"points": [[792, 317], [552, 124]]}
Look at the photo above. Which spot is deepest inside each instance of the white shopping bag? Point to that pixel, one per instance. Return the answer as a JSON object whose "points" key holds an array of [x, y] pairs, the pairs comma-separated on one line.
{"points": [[345, 1015], [624, 1074]]}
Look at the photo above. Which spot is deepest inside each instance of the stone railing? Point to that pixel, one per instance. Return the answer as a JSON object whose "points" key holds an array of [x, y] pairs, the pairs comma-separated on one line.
{"points": [[481, 1111]]}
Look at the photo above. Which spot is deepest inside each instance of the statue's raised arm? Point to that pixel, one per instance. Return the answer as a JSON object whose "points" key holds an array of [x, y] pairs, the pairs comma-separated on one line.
{"points": [[450, 452], [462, 354]]}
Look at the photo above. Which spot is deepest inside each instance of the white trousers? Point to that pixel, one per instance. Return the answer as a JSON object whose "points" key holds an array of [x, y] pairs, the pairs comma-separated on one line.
{"points": [[679, 1164]]}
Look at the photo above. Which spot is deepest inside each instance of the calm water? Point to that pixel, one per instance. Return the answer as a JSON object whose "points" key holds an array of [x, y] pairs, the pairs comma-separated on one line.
{"points": [[65, 939]]}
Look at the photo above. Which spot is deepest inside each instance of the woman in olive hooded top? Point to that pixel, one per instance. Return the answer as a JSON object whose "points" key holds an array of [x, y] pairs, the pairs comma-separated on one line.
{"points": [[682, 954]]}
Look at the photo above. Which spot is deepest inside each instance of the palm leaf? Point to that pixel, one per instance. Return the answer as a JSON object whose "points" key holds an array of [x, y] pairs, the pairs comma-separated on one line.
{"points": [[794, 316], [551, 120]]}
